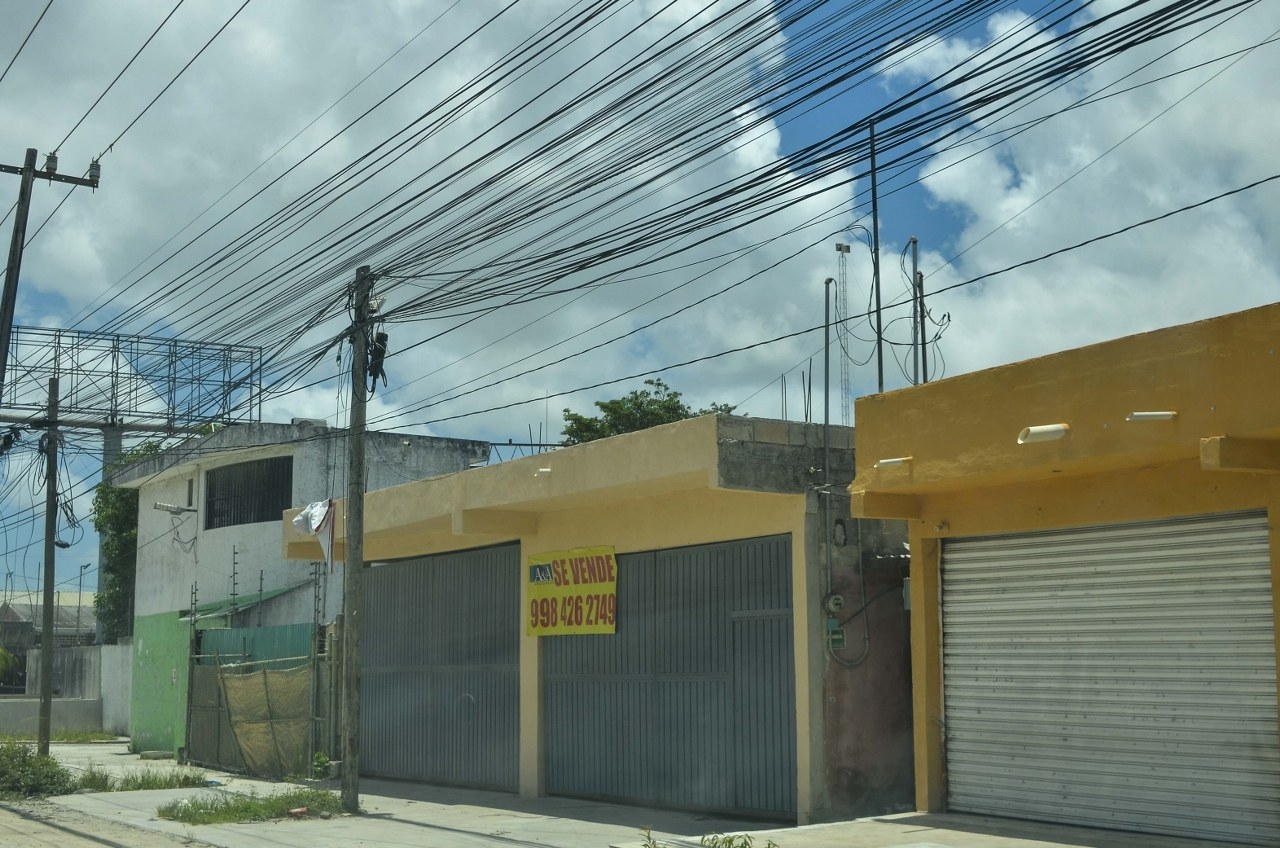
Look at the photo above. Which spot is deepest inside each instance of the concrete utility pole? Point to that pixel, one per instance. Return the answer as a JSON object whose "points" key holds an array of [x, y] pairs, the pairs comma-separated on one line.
{"points": [[353, 567], [80, 599], [826, 384], [917, 320], [918, 277], [50, 534], [29, 174], [875, 262]]}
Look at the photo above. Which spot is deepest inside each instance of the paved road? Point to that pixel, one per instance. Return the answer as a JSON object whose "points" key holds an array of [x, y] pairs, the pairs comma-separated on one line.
{"points": [[45, 825]]}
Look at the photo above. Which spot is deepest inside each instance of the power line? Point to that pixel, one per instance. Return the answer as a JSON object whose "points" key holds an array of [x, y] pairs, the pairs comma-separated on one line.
{"points": [[798, 333], [145, 109], [426, 241], [23, 45], [111, 84]]}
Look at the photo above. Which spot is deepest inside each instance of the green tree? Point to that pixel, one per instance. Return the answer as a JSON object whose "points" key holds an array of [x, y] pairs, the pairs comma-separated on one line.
{"points": [[8, 663], [640, 410], [115, 517]]}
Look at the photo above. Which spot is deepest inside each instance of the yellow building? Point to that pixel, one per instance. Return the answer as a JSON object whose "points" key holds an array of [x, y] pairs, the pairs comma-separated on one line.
{"points": [[752, 668], [1094, 553]]}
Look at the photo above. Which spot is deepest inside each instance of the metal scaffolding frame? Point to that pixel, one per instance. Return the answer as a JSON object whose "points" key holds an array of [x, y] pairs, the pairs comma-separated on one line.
{"points": [[135, 381]]}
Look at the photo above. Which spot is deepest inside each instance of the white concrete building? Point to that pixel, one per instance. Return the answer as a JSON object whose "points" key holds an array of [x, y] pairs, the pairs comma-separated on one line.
{"points": [[210, 509], [209, 530]]}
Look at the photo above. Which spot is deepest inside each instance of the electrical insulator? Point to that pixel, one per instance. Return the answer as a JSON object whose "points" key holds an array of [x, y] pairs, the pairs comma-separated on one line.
{"points": [[51, 163], [95, 171]]}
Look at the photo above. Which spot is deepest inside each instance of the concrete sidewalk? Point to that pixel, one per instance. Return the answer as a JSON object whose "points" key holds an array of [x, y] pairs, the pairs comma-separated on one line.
{"points": [[399, 814]]}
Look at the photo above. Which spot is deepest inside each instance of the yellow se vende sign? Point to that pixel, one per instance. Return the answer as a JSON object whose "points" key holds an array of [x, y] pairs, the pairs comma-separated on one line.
{"points": [[573, 591]]}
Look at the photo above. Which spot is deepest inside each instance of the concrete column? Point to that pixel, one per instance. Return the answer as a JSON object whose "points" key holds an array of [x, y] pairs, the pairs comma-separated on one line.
{"points": [[532, 759], [926, 669]]}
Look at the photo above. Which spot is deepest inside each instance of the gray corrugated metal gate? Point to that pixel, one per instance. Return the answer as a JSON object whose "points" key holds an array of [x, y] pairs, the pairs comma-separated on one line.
{"points": [[692, 702], [210, 742], [1120, 676], [440, 685]]}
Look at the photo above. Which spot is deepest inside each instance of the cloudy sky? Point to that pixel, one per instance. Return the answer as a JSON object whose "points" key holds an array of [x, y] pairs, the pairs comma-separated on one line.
{"points": [[564, 198]]}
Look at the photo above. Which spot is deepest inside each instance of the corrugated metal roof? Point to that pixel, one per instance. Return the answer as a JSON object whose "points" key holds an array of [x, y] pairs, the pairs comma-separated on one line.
{"points": [[216, 609], [64, 617]]}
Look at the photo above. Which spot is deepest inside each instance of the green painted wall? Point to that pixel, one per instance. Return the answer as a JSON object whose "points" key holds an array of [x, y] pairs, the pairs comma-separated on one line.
{"points": [[161, 649]]}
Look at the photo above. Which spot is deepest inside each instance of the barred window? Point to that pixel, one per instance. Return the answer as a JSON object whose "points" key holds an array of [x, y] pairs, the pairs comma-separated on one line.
{"points": [[248, 492]]}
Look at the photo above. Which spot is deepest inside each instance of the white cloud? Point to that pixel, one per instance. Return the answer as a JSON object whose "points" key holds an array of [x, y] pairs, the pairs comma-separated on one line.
{"points": [[281, 64], [1218, 259]]}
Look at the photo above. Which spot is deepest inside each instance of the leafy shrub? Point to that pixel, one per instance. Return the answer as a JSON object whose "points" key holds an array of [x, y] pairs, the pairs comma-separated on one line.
{"points": [[26, 774]]}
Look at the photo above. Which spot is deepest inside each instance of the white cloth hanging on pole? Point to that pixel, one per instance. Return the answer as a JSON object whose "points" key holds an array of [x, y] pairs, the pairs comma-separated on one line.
{"points": [[317, 520]]}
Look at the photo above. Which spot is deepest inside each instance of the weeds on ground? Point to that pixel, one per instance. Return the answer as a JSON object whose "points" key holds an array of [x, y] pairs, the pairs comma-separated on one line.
{"points": [[26, 774], [233, 808], [711, 840], [69, 736], [319, 768], [177, 778], [95, 779], [739, 840]]}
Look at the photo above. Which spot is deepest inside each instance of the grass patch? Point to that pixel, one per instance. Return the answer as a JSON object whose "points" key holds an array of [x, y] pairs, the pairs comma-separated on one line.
{"points": [[96, 779], [69, 736], [234, 808], [175, 778], [26, 774]]}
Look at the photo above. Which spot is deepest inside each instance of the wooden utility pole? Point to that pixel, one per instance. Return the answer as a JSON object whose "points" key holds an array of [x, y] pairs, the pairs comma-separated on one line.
{"points": [[353, 567], [50, 535], [10, 297], [29, 174]]}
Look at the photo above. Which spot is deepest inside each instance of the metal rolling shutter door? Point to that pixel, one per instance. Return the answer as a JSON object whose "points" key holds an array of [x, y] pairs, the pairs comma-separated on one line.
{"points": [[1120, 676], [439, 689], [691, 703]]}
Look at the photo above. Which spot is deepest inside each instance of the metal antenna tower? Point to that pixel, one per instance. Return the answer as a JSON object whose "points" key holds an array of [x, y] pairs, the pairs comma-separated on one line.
{"points": [[842, 332]]}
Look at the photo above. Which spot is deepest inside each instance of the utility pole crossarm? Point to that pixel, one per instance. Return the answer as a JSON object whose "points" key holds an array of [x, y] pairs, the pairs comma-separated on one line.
{"points": [[28, 173], [54, 177]]}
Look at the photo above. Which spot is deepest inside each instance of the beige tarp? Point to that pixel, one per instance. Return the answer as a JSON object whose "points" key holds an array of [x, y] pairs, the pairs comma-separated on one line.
{"points": [[270, 713]]}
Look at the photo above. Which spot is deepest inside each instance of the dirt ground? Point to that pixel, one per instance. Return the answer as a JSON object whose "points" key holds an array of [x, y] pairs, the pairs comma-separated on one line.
{"points": [[39, 824]]}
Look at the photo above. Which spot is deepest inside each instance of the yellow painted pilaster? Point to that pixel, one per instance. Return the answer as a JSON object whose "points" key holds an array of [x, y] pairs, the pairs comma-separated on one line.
{"points": [[809, 668], [926, 670], [532, 772]]}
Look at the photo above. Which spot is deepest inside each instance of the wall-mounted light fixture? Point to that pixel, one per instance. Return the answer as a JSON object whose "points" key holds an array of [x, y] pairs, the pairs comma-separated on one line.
{"points": [[1165, 415], [892, 461], [173, 509], [1043, 433], [542, 472]]}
